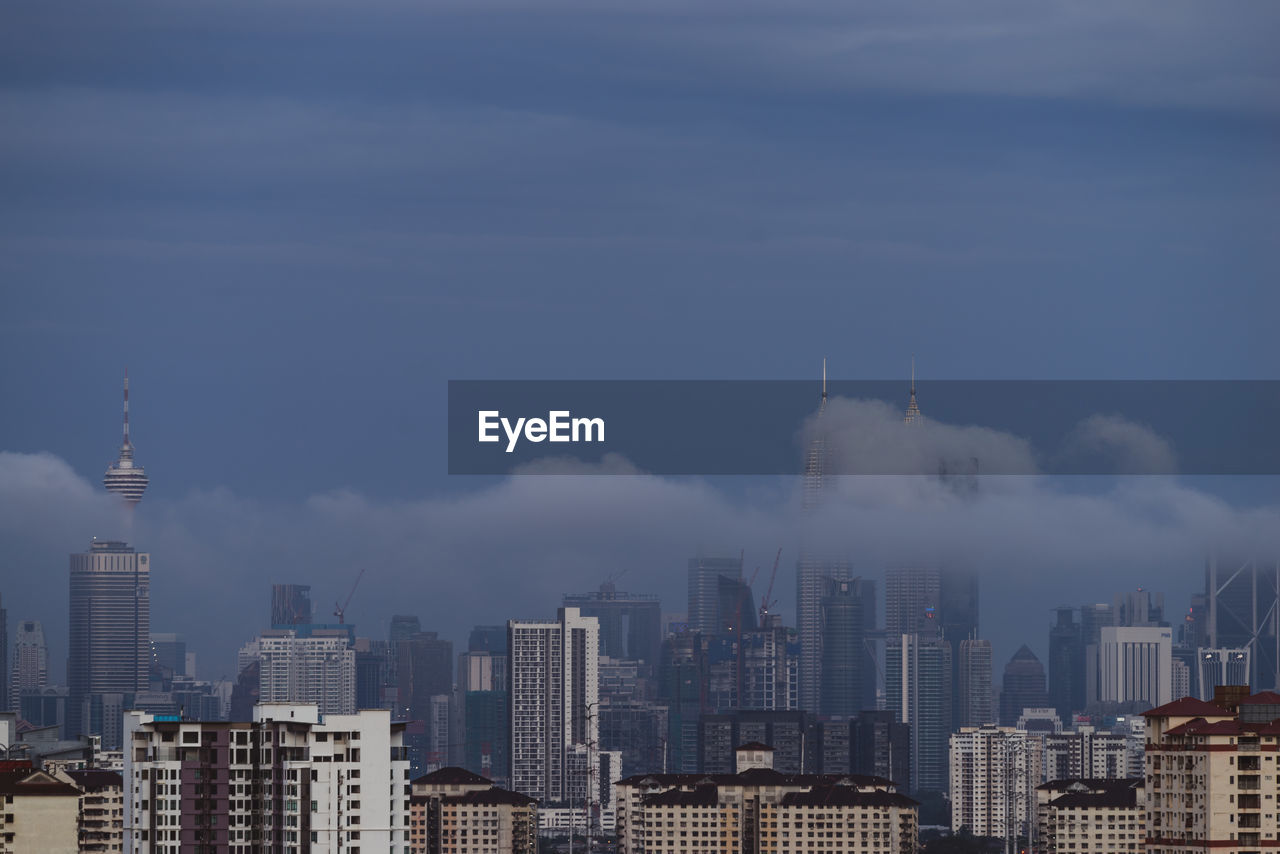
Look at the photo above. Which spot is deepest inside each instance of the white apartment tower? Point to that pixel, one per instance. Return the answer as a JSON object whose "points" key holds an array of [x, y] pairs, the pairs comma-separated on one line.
{"points": [[318, 669], [554, 696], [291, 781], [994, 774]]}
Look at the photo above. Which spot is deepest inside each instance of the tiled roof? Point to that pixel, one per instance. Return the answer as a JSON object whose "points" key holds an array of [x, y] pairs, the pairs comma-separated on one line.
{"points": [[490, 797], [702, 796], [27, 782], [1261, 698], [452, 776], [756, 745], [1187, 707], [96, 779], [1200, 726], [844, 796]]}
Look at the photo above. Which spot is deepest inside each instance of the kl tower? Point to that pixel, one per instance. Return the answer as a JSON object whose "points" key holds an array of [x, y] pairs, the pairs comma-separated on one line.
{"points": [[125, 477]]}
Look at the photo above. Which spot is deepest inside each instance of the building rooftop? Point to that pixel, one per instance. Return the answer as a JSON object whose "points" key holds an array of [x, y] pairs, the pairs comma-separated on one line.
{"points": [[491, 797], [453, 776], [96, 779], [26, 782], [702, 796], [845, 796], [1199, 726], [1187, 707], [1261, 698]]}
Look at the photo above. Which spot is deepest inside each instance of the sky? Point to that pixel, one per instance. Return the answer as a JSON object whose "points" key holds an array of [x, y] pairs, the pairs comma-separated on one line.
{"points": [[293, 223]]}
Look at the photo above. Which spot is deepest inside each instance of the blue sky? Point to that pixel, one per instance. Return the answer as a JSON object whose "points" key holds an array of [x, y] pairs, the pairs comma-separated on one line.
{"points": [[294, 222]]}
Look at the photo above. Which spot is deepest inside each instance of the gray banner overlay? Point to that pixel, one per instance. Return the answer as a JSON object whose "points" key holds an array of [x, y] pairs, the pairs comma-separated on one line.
{"points": [[777, 427]]}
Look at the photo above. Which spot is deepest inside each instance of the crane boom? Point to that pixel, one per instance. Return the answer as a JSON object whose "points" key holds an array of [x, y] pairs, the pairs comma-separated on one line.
{"points": [[340, 610], [766, 603]]}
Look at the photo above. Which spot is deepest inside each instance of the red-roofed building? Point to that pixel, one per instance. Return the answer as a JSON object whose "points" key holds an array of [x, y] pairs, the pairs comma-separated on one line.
{"points": [[1213, 776]]}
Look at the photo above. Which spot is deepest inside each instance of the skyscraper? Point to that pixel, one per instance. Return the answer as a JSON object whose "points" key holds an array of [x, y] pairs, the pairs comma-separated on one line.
{"points": [[290, 605], [554, 693], [712, 580], [1023, 686], [1066, 665], [912, 601], [630, 623], [1244, 613], [110, 632], [974, 686], [30, 662], [912, 415], [424, 669], [125, 477], [917, 676], [848, 667], [4, 662], [815, 579]]}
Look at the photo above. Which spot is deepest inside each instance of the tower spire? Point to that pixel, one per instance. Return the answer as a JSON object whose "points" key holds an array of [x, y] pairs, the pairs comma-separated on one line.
{"points": [[124, 477], [912, 414]]}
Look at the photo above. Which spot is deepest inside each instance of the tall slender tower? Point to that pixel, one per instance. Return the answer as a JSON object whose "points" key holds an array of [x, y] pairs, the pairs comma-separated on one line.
{"points": [[912, 414], [124, 477], [30, 662], [816, 576]]}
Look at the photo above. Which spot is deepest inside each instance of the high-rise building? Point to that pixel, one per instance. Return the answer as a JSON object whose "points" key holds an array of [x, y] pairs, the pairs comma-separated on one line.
{"points": [[848, 665], [913, 602], [769, 667], [456, 811], [882, 747], [1023, 686], [290, 605], [1210, 775], [630, 623], [1107, 816], [1220, 667], [289, 780], [110, 634], [1134, 665], [168, 659], [705, 592], [974, 688], [424, 669], [917, 678], [319, 669], [484, 713], [124, 477], [816, 579], [554, 694], [1089, 753], [994, 774], [1093, 618], [7, 702], [1244, 613], [1066, 664], [683, 688], [30, 662], [1139, 608], [789, 734]]}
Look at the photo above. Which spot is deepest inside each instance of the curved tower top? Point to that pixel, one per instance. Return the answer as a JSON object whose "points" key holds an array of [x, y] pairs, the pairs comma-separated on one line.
{"points": [[125, 477]]}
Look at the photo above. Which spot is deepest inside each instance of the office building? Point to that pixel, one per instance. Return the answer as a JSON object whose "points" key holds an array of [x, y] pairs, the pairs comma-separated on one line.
{"points": [[168, 659], [319, 669], [1244, 613], [848, 663], [1134, 666], [30, 671], [454, 811], [682, 687], [817, 579], [7, 701], [1139, 607], [1089, 816], [1066, 664], [424, 669], [918, 692], [1221, 667], [974, 686], [1211, 775], [554, 694], [913, 601], [1023, 686], [994, 774], [290, 781], [755, 808], [483, 714], [768, 668], [872, 743], [630, 623], [716, 593], [109, 653]]}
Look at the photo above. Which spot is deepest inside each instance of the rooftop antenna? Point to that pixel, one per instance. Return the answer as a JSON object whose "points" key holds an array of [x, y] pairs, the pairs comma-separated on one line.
{"points": [[913, 408]]}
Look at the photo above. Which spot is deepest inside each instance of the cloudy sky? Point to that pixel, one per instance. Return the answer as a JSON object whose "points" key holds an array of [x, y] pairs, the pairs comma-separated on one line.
{"points": [[294, 222]]}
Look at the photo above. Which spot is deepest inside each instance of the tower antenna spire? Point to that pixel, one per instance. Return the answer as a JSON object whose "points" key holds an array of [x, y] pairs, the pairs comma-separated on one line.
{"points": [[824, 377], [125, 477], [912, 414], [126, 446]]}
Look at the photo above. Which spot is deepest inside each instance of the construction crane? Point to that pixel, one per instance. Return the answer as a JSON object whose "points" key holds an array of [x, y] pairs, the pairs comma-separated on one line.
{"points": [[766, 603], [340, 609]]}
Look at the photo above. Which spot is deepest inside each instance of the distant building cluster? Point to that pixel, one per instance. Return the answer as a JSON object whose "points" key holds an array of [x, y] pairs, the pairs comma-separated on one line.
{"points": [[721, 728]]}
